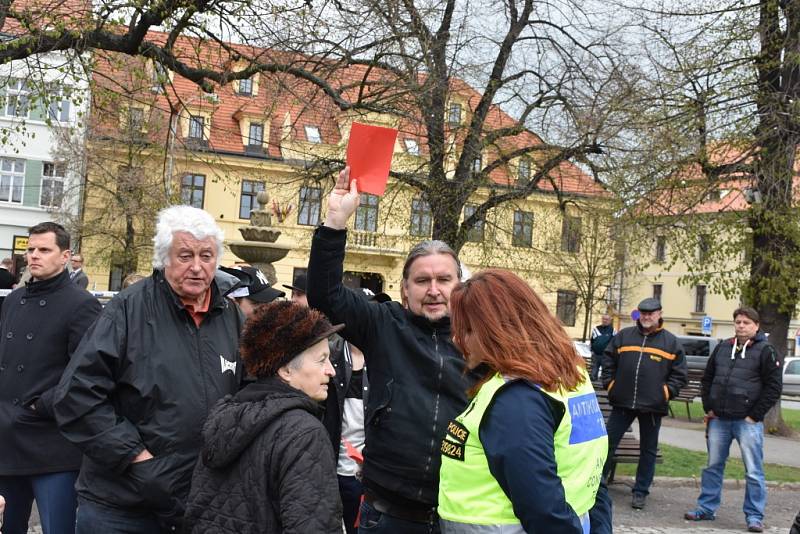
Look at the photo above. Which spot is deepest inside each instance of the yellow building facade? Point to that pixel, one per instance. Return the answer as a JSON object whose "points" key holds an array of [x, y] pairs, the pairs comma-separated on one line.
{"points": [[221, 151]]}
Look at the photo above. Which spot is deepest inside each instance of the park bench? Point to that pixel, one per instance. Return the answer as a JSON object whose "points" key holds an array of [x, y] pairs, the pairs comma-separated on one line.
{"points": [[689, 392], [628, 449]]}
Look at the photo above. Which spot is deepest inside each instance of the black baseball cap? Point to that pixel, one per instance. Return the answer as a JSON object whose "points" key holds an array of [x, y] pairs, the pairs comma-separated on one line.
{"points": [[254, 286], [300, 284]]}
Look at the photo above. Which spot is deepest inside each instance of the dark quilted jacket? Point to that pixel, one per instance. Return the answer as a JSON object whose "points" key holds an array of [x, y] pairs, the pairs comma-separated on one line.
{"points": [[266, 467]]}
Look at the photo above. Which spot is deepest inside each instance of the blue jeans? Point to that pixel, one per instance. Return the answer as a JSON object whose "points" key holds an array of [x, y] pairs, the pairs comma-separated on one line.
{"points": [[94, 518], [649, 427], [721, 432], [374, 522], [55, 499]]}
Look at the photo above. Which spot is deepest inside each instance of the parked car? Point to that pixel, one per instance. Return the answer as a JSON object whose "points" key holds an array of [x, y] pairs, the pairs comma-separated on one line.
{"points": [[697, 350], [791, 376], [584, 351]]}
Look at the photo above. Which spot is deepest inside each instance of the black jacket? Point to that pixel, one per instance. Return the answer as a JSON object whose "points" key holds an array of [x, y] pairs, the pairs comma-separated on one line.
{"points": [[417, 378], [146, 376], [40, 328], [342, 362], [601, 337], [736, 387], [266, 467], [643, 371]]}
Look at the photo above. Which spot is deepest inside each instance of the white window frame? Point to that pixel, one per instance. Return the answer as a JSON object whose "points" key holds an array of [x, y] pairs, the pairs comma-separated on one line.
{"points": [[57, 177], [9, 174], [312, 134], [15, 89], [412, 147]]}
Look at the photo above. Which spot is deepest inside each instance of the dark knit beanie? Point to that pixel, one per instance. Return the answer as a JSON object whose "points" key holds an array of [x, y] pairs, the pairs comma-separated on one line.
{"points": [[279, 331]]}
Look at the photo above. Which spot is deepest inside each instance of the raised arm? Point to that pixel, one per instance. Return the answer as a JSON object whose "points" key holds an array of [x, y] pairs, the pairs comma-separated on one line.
{"points": [[326, 292]]}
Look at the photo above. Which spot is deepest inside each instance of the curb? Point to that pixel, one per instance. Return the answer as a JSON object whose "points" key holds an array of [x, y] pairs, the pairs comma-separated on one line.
{"points": [[694, 482]]}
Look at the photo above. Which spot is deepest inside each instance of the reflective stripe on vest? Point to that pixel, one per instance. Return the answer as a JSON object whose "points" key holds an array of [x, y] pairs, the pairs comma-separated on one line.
{"points": [[468, 493]]}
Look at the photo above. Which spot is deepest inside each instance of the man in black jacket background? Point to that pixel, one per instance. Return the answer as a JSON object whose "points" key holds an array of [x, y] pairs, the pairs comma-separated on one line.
{"points": [[40, 328], [742, 381], [643, 368], [417, 380], [138, 390]]}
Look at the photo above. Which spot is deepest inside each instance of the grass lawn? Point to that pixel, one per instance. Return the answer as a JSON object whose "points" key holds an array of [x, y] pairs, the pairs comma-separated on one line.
{"points": [[685, 463], [791, 417]]}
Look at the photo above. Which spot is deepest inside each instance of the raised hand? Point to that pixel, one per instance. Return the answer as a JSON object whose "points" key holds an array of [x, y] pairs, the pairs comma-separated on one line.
{"points": [[343, 201]]}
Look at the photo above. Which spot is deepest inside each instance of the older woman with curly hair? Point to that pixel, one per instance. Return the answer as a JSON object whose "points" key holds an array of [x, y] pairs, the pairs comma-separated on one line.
{"points": [[267, 465]]}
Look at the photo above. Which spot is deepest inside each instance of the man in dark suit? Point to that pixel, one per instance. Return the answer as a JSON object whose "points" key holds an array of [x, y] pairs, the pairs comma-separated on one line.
{"points": [[78, 276], [6, 278]]}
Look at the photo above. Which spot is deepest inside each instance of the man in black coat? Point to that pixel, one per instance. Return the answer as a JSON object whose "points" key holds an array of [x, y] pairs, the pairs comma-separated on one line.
{"points": [[417, 379], [6, 278], [40, 328], [643, 368], [741, 383], [138, 390]]}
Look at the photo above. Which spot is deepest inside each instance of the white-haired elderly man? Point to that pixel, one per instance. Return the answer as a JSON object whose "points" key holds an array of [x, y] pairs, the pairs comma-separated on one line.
{"points": [[138, 389]]}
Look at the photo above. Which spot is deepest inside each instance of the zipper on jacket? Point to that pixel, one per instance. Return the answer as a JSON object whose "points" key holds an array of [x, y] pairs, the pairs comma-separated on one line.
{"points": [[636, 375], [435, 409]]}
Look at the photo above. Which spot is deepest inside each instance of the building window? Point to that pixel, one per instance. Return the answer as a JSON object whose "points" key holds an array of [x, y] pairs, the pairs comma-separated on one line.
{"points": [[566, 306], [661, 249], [248, 202], [160, 76], [477, 165], [197, 125], [523, 229], [524, 170], [193, 187], [454, 113], [310, 206], [58, 110], [703, 248], [367, 213], [17, 98], [312, 134], [135, 120], [571, 234], [699, 299], [657, 290], [474, 234], [52, 185], [256, 135], [412, 147], [246, 87], [12, 179], [421, 218]]}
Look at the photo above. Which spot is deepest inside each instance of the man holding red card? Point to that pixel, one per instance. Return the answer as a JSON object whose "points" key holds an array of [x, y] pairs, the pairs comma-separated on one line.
{"points": [[417, 379]]}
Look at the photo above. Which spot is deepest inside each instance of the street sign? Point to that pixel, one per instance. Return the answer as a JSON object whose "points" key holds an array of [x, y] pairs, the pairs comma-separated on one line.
{"points": [[635, 315], [706, 325]]}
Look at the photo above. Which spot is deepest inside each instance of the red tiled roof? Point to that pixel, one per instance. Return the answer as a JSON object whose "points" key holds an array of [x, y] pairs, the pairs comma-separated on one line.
{"points": [[304, 103]]}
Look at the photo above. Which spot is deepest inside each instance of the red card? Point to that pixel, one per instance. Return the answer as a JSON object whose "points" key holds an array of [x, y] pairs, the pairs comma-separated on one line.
{"points": [[369, 155]]}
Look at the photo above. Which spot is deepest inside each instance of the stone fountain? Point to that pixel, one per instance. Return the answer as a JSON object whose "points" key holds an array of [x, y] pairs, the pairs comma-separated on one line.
{"points": [[259, 247]]}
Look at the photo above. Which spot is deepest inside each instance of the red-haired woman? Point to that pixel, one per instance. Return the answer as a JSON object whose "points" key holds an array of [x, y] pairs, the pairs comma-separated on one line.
{"points": [[528, 452]]}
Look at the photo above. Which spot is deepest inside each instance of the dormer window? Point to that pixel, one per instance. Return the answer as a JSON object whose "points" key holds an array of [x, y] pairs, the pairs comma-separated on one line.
{"points": [[524, 170], [412, 147], [246, 87], [196, 126], [159, 76], [454, 113], [256, 135], [313, 135], [477, 165]]}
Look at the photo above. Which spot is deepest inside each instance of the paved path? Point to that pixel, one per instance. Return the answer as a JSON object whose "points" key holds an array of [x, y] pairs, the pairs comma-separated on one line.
{"points": [[670, 498]]}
